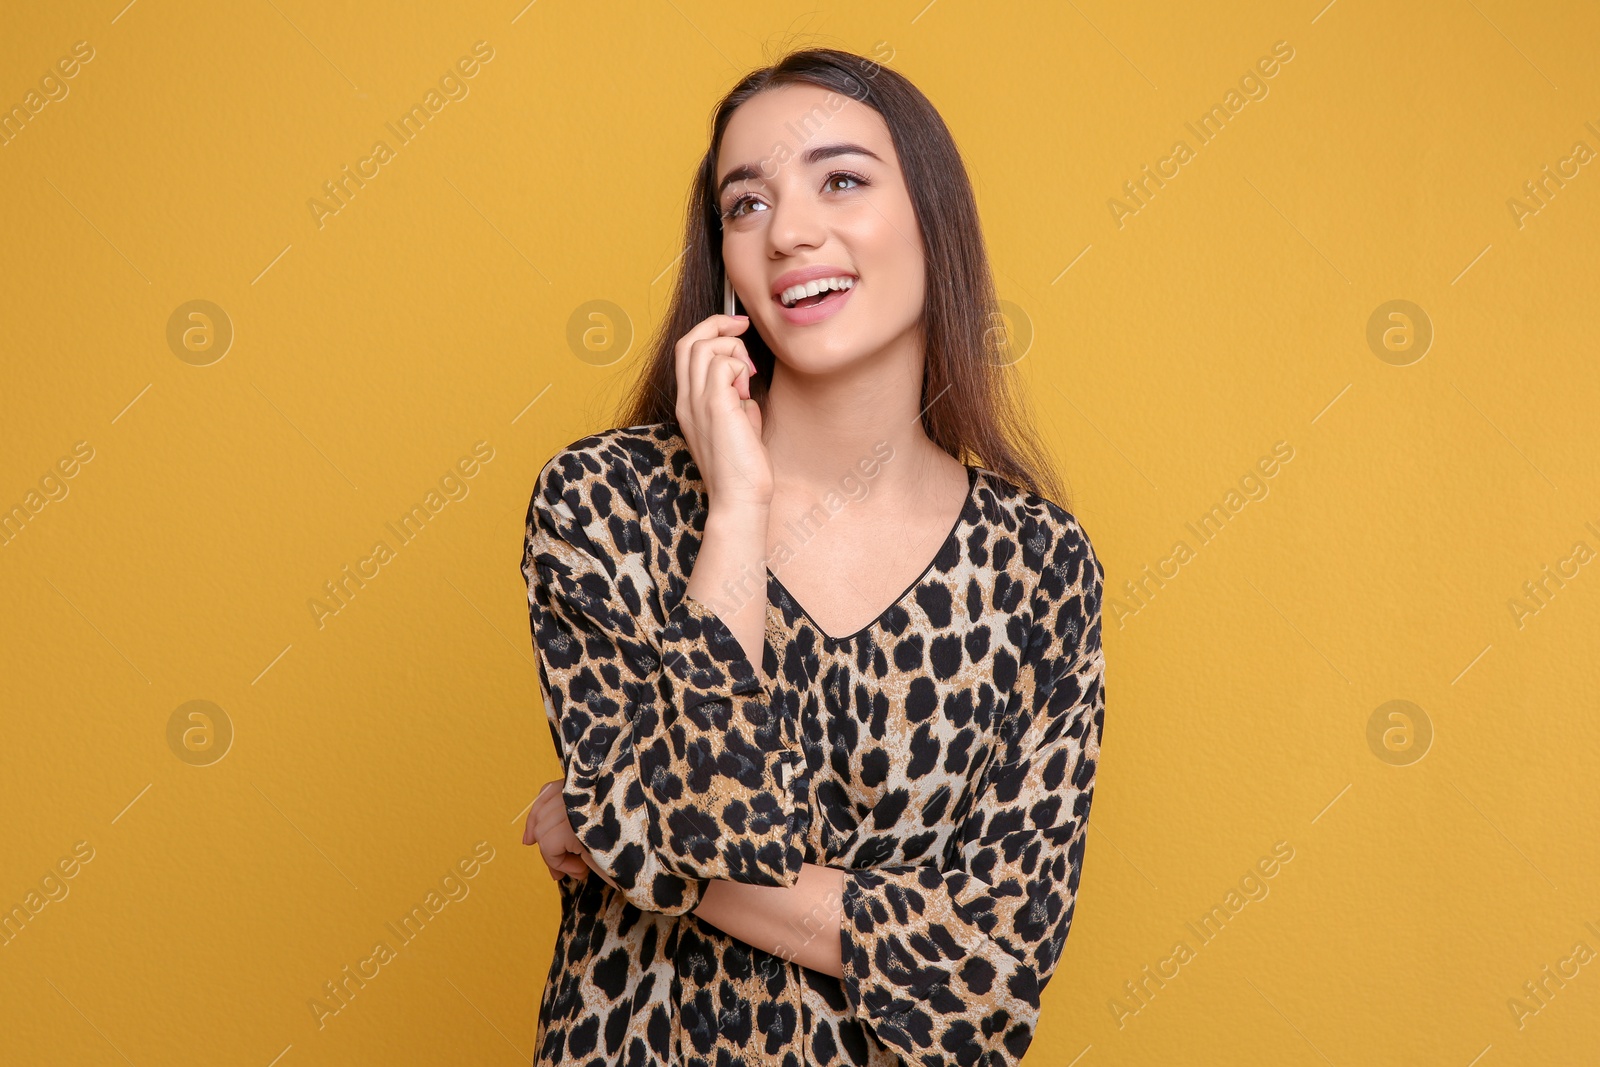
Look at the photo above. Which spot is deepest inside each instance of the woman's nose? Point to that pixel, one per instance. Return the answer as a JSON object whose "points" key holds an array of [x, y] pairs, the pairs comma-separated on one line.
{"points": [[795, 222]]}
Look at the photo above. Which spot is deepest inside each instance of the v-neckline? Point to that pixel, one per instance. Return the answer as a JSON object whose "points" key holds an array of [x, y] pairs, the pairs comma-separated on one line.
{"points": [[944, 546]]}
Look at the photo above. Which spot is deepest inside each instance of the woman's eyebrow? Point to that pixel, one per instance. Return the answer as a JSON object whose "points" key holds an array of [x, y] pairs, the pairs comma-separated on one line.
{"points": [[817, 154]]}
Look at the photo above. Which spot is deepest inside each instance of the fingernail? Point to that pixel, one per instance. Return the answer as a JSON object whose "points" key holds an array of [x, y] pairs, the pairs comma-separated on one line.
{"points": [[741, 316]]}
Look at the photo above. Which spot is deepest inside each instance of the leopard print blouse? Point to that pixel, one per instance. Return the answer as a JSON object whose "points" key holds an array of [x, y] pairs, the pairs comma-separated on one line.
{"points": [[943, 756]]}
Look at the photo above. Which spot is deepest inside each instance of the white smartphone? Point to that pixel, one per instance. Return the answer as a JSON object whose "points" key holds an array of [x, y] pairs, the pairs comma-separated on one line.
{"points": [[729, 304]]}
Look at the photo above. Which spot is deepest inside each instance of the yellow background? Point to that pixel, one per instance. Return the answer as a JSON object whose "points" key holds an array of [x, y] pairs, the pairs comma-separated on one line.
{"points": [[371, 753]]}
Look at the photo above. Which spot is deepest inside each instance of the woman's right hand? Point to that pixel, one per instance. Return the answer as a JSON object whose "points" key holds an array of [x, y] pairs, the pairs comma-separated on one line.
{"points": [[719, 420]]}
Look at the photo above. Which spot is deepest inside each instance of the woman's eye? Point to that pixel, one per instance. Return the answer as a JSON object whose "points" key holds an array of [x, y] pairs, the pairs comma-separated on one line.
{"points": [[738, 208]]}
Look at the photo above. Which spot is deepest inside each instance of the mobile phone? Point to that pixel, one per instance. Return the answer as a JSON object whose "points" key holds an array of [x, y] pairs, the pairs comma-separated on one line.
{"points": [[729, 301]]}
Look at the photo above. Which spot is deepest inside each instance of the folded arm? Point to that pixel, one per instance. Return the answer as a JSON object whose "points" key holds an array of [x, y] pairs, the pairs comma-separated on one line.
{"points": [[946, 957], [678, 767]]}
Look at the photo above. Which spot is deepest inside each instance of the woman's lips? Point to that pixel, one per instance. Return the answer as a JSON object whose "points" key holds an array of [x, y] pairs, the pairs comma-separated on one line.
{"points": [[832, 301]]}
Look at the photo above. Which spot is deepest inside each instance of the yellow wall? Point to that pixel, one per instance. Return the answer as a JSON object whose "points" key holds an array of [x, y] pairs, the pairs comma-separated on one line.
{"points": [[370, 751]]}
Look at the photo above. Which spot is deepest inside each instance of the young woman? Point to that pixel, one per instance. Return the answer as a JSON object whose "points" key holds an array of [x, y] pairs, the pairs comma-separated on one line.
{"points": [[837, 816]]}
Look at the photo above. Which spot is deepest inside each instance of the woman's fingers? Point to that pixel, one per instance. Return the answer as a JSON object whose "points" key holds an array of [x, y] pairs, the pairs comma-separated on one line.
{"points": [[718, 378], [705, 362], [549, 827], [547, 813], [569, 859], [725, 367], [558, 845], [551, 819], [530, 831], [548, 793], [696, 354], [560, 860], [707, 328], [713, 369], [726, 370], [689, 348]]}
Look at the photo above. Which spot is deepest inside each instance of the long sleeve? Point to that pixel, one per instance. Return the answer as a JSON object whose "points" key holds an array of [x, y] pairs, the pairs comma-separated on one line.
{"points": [[678, 766], [945, 960]]}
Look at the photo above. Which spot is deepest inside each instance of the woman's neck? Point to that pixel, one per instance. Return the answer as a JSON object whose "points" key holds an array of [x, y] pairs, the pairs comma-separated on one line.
{"points": [[820, 427]]}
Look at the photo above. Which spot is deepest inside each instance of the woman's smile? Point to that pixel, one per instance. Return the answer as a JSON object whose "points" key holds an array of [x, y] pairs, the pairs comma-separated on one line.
{"points": [[813, 309]]}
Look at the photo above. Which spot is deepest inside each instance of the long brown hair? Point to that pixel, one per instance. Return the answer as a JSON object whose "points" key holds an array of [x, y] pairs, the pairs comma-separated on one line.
{"points": [[972, 406]]}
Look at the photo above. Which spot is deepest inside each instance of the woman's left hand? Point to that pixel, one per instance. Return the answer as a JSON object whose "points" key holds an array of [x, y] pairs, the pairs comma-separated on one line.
{"points": [[552, 832], [549, 828]]}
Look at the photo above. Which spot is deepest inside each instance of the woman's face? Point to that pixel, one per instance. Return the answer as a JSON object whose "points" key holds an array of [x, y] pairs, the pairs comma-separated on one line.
{"points": [[816, 191]]}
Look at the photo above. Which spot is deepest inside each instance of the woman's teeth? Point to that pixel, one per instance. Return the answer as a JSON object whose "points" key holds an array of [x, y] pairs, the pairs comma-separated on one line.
{"points": [[796, 293]]}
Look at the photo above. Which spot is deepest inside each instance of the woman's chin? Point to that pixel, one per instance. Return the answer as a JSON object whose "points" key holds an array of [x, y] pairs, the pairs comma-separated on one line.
{"points": [[812, 361]]}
